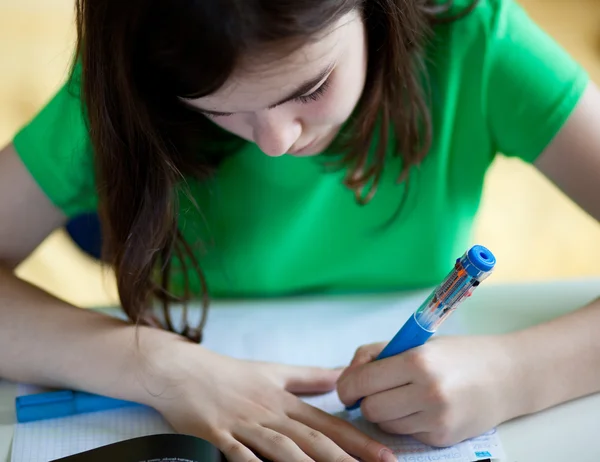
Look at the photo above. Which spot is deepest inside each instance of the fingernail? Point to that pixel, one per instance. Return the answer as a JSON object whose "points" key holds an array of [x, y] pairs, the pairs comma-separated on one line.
{"points": [[385, 455]]}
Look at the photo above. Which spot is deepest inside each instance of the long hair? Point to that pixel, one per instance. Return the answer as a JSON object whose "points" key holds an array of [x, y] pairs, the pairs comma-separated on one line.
{"points": [[140, 57]]}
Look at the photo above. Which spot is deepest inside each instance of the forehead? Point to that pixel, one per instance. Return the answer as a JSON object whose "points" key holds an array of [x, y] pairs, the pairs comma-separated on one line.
{"points": [[266, 77]]}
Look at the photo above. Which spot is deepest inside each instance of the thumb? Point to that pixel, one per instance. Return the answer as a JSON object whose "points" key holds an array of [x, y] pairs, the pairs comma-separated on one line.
{"points": [[303, 379]]}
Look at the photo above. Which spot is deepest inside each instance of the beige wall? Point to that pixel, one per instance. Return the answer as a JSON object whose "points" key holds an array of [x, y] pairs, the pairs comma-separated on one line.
{"points": [[531, 219]]}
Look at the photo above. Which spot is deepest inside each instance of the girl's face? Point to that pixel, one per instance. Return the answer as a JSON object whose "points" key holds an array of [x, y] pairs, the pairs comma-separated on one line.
{"points": [[295, 105]]}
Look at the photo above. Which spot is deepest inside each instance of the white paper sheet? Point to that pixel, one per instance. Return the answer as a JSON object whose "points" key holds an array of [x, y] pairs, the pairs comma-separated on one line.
{"points": [[320, 333], [51, 439]]}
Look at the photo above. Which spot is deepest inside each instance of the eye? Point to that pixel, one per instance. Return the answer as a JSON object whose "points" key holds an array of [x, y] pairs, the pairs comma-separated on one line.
{"points": [[216, 114], [315, 95]]}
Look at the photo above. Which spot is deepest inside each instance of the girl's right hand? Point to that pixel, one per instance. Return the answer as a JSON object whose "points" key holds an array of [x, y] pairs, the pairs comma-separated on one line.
{"points": [[246, 408]]}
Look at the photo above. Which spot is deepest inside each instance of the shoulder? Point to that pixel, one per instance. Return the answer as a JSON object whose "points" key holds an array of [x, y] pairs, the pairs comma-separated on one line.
{"points": [[488, 32], [55, 147], [477, 22], [475, 12], [498, 64]]}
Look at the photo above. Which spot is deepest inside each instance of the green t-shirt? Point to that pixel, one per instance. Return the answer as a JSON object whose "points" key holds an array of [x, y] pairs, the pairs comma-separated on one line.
{"points": [[277, 226]]}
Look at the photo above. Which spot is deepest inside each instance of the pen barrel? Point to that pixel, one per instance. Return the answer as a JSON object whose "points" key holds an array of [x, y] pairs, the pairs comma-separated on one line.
{"points": [[474, 266], [64, 403], [88, 402], [411, 335]]}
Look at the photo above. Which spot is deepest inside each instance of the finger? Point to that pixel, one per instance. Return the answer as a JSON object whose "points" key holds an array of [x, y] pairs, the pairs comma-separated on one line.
{"points": [[363, 355], [409, 425], [341, 432], [271, 444], [312, 442], [366, 354], [301, 379], [374, 377], [235, 451], [392, 404]]}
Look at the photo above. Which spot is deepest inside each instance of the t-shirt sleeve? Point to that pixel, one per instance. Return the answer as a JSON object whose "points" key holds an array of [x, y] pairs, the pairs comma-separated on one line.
{"points": [[533, 85], [55, 148]]}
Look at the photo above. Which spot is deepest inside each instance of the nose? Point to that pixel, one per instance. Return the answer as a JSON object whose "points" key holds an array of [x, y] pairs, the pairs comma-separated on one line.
{"points": [[275, 133]]}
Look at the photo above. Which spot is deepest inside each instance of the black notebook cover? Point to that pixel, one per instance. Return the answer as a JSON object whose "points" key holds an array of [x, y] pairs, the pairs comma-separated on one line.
{"points": [[153, 448]]}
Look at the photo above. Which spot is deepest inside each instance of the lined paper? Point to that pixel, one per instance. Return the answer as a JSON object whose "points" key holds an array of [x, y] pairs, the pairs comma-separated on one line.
{"points": [[52, 439]]}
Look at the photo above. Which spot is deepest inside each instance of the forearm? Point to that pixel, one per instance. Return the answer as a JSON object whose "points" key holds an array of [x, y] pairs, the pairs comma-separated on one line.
{"points": [[556, 361], [46, 341]]}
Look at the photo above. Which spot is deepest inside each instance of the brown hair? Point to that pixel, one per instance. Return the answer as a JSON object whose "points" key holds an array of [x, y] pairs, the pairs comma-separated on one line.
{"points": [[139, 57]]}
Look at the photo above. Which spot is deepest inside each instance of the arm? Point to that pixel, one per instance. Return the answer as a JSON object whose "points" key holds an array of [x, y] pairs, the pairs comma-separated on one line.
{"points": [[569, 346], [42, 339], [447, 390], [242, 405]]}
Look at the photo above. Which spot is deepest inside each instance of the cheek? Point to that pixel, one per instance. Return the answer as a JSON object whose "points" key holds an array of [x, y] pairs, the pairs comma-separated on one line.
{"points": [[332, 109], [337, 104]]}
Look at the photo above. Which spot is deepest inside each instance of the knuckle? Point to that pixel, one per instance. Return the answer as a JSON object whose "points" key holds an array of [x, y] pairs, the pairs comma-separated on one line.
{"points": [[414, 359], [224, 441], [234, 448], [438, 395], [419, 360], [363, 380], [278, 439], [315, 435], [369, 409], [342, 389], [350, 387], [370, 446]]}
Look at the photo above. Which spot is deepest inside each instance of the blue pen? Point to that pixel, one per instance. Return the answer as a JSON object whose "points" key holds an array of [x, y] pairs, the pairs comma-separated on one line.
{"points": [[470, 270], [63, 403]]}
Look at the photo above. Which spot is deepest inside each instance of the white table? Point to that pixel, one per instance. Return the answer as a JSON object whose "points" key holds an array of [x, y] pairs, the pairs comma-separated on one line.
{"points": [[566, 432]]}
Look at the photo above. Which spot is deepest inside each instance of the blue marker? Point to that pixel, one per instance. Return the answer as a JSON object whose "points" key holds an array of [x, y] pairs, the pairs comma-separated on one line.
{"points": [[469, 271], [63, 403]]}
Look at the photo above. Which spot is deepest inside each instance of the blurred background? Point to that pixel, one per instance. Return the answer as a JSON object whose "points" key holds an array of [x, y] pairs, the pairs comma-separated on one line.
{"points": [[523, 217]]}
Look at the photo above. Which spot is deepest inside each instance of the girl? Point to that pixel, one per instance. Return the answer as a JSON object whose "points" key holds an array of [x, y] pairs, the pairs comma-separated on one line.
{"points": [[264, 148]]}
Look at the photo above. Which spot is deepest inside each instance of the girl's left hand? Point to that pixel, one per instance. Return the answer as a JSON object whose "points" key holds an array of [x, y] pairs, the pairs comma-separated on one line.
{"points": [[448, 390]]}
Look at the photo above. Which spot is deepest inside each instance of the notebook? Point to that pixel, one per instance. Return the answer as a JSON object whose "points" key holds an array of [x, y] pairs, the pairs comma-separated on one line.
{"points": [[299, 333], [52, 439], [167, 447]]}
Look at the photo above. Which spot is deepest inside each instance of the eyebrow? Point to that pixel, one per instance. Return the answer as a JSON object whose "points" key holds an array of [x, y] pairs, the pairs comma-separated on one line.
{"points": [[300, 91]]}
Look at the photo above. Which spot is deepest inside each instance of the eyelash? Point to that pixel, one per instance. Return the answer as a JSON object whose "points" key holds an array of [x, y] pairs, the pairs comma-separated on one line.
{"points": [[315, 95]]}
